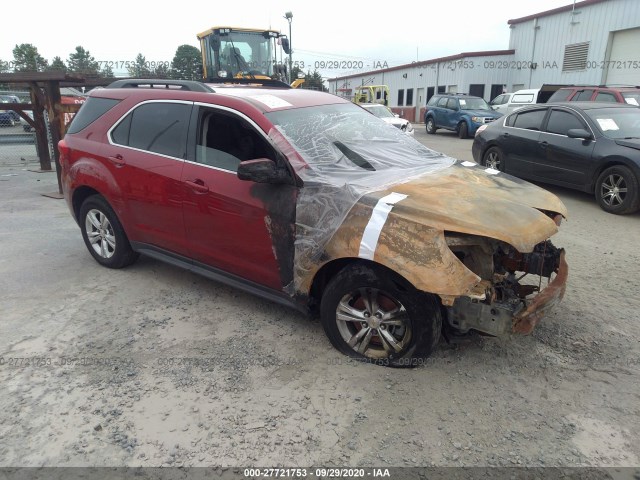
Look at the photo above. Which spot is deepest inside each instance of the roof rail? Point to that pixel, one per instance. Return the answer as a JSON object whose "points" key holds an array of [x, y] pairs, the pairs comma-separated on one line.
{"points": [[264, 82], [188, 85]]}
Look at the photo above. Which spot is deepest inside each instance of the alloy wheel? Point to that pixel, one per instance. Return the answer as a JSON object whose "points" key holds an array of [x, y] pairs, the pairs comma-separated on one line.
{"points": [[613, 190], [100, 233], [373, 323]]}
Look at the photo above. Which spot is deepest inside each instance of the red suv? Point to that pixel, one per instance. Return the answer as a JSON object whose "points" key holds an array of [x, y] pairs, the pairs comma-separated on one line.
{"points": [[602, 93], [307, 199]]}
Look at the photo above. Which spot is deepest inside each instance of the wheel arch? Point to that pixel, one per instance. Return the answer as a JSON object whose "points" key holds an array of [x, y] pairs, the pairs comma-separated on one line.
{"points": [[609, 162], [330, 269], [80, 194]]}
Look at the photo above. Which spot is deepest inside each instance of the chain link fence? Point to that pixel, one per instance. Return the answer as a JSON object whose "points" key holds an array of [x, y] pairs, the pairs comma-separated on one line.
{"points": [[17, 137]]}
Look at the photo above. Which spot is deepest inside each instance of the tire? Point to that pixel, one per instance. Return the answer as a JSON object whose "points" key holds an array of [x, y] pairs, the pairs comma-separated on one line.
{"points": [[493, 158], [110, 246], [617, 190], [463, 130], [431, 126], [345, 314]]}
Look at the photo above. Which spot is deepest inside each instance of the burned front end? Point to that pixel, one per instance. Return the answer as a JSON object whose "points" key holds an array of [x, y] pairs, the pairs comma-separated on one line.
{"points": [[516, 289]]}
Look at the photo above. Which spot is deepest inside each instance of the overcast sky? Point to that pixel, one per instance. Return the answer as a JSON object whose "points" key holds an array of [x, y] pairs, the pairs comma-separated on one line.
{"points": [[393, 32]]}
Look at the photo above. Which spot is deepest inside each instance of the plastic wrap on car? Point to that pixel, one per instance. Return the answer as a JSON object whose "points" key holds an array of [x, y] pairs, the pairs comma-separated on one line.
{"points": [[340, 157]]}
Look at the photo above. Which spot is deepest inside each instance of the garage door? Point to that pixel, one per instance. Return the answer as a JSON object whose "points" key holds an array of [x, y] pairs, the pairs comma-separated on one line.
{"points": [[624, 49]]}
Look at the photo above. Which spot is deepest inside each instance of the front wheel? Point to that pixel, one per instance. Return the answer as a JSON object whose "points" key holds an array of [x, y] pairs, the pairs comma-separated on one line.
{"points": [[103, 234], [375, 316], [617, 190], [431, 126], [463, 130]]}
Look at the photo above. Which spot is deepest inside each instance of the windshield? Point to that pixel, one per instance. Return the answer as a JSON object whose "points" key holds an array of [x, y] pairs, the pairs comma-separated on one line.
{"points": [[473, 104], [632, 98], [380, 111], [346, 145], [244, 53], [617, 123]]}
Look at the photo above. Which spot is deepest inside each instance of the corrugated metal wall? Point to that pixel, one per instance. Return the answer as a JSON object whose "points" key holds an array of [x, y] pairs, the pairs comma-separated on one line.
{"points": [[540, 41]]}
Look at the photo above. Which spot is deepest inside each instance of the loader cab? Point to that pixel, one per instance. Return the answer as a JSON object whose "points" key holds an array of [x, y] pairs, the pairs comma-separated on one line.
{"points": [[230, 54]]}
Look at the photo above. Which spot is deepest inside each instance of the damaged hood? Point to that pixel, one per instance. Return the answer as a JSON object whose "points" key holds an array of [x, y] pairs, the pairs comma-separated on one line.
{"points": [[467, 199]]}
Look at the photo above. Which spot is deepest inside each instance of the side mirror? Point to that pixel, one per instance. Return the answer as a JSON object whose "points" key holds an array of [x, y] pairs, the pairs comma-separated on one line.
{"points": [[286, 47], [262, 170], [579, 133], [396, 115]]}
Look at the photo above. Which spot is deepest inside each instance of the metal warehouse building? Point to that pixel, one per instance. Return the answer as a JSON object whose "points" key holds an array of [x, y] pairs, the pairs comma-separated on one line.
{"points": [[589, 42]]}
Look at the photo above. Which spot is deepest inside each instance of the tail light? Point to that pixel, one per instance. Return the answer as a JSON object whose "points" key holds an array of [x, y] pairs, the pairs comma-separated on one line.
{"points": [[64, 153]]}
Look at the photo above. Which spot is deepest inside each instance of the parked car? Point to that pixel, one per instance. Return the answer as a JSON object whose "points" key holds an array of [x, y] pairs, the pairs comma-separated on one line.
{"points": [[25, 125], [9, 117], [388, 116], [500, 103], [306, 199], [458, 112], [531, 96], [588, 146], [601, 93]]}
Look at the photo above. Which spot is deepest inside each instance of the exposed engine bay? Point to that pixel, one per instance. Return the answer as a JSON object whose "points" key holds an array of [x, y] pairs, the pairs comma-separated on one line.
{"points": [[501, 303]]}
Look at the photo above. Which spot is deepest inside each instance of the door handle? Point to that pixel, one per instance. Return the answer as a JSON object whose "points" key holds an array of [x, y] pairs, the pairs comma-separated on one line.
{"points": [[197, 185], [543, 144], [505, 134], [117, 160]]}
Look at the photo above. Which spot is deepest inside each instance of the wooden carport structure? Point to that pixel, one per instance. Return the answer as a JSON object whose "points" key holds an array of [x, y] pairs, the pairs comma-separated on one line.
{"points": [[44, 89]]}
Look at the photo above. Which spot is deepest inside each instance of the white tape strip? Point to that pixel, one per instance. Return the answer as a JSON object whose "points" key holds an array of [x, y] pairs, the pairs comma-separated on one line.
{"points": [[378, 218]]}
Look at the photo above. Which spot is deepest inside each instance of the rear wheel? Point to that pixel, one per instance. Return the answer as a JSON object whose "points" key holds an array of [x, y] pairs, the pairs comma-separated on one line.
{"points": [[493, 158], [103, 234], [431, 126], [375, 316], [463, 130], [617, 190]]}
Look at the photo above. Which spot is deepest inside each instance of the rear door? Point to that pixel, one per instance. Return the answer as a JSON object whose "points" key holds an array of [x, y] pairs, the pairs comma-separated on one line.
{"points": [[452, 113], [566, 160], [146, 151], [519, 141], [237, 226]]}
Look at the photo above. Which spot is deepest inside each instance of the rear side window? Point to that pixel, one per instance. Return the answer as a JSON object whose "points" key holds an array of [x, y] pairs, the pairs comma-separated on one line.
{"points": [[155, 127], [560, 95], [583, 96], [522, 98], [531, 120], [90, 111], [443, 102]]}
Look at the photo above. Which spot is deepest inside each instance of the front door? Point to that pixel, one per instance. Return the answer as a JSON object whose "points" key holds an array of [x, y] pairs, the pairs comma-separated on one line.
{"points": [[240, 227], [566, 159]]}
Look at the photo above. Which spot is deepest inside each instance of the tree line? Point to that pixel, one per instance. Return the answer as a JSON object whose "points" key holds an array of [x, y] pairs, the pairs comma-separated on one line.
{"points": [[186, 64]]}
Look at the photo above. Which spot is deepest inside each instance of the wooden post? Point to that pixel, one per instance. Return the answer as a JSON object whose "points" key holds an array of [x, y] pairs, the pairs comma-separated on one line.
{"points": [[42, 145], [56, 122]]}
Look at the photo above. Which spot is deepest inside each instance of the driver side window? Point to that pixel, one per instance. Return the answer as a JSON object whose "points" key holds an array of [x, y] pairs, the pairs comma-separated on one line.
{"points": [[224, 140]]}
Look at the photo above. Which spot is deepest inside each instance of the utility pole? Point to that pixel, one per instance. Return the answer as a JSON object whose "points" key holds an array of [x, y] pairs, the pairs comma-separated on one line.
{"points": [[289, 17]]}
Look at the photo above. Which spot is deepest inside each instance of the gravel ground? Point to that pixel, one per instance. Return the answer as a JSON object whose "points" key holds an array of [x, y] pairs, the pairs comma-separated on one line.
{"points": [[155, 366]]}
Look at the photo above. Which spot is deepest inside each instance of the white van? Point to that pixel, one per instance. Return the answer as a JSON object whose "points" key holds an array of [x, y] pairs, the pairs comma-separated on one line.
{"points": [[501, 102], [530, 96]]}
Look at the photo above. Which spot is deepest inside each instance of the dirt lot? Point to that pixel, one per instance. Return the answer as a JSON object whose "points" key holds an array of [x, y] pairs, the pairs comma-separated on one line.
{"points": [[155, 366]]}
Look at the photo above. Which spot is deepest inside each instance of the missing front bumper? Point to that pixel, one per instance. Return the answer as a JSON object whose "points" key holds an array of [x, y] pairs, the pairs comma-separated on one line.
{"points": [[509, 316]]}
